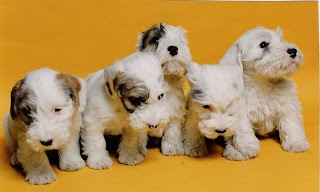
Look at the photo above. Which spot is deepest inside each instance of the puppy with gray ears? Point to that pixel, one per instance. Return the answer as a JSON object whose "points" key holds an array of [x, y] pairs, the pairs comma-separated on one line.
{"points": [[269, 92], [128, 99], [170, 45], [216, 108], [45, 115]]}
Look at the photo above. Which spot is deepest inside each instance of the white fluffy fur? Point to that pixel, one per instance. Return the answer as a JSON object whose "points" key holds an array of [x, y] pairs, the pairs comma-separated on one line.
{"points": [[215, 104], [62, 127], [105, 112], [270, 94], [174, 67]]}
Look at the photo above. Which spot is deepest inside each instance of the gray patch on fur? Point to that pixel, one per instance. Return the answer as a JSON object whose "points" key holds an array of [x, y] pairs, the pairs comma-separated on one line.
{"points": [[133, 92], [198, 94], [22, 103], [150, 37]]}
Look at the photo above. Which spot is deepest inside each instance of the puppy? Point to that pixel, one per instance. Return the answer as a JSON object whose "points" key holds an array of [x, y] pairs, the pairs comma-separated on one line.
{"points": [[170, 45], [45, 115], [127, 98], [216, 108], [270, 94]]}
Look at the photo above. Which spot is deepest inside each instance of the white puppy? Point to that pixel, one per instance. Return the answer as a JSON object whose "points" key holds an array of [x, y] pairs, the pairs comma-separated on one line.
{"points": [[170, 45], [45, 115], [126, 98], [270, 94], [216, 108]]}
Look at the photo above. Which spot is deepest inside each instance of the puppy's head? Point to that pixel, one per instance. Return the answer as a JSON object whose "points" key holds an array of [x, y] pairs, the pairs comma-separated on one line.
{"points": [[139, 83], [43, 103], [267, 54], [216, 95], [170, 45]]}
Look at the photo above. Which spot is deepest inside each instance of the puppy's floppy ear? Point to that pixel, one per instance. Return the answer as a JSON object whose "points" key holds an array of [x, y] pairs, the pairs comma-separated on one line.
{"points": [[233, 57], [279, 32], [75, 88], [16, 90], [150, 36], [194, 70], [111, 78]]}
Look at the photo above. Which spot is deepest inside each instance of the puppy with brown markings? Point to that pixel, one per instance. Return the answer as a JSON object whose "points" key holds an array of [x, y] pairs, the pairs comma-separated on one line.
{"points": [[170, 45], [45, 115], [128, 99]]}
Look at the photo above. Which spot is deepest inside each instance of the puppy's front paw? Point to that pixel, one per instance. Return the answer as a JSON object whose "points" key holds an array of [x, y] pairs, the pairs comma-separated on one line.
{"points": [[296, 147], [249, 147], [102, 161], [200, 151], [130, 158], [231, 153], [71, 164], [41, 176], [170, 149]]}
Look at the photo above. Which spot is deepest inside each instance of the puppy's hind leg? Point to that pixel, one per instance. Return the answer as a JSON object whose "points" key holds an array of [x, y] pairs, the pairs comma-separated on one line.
{"points": [[128, 148], [172, 140]]}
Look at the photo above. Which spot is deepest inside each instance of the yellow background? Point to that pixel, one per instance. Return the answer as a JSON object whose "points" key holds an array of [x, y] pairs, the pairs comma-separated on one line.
{"points": [[81, 37]]}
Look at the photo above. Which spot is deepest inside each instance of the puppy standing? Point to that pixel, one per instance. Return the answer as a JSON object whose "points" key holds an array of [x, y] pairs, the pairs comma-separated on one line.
{"points": [[126, 98], [45, 115], [270, 95], [216, 108], [171, 47]]}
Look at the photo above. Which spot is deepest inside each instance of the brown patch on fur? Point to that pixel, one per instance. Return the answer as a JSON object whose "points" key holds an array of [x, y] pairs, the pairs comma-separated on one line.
{"points": [[71, 86], [132, 92]]}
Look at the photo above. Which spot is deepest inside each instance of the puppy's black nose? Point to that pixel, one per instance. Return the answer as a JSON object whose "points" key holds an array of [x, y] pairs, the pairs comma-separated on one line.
{"points": [[173, 50], [292, 52], [221, 130], [153, 126], [46, 143]]}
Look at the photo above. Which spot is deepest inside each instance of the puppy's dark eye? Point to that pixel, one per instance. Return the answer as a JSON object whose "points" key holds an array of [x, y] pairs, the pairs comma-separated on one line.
{"points": [[160, 96], [56, 110], [154, 40], [264, 45], [206, 106]]}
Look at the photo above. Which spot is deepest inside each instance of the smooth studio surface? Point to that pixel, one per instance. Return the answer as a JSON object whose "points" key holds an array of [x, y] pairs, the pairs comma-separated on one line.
{"points": [[81, 37]]}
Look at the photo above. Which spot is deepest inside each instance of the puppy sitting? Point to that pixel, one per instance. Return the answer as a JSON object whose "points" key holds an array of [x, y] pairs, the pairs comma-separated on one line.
{"points": [[45, 115], [126, 98], [216, 108], [270, 94], [170, 45]]}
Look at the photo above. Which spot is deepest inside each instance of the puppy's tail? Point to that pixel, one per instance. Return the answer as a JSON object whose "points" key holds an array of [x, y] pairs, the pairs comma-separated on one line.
{"points": [[6, 130]]}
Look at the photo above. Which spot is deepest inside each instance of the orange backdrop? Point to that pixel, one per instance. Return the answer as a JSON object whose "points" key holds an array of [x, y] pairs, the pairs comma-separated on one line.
{"points": [[81, 37]]}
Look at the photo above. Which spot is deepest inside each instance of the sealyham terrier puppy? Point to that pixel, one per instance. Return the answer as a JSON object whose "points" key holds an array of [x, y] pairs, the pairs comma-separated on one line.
{"points": [[170, 45], [127, 98], [216, 108], [270, 95], [45, 114]]}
